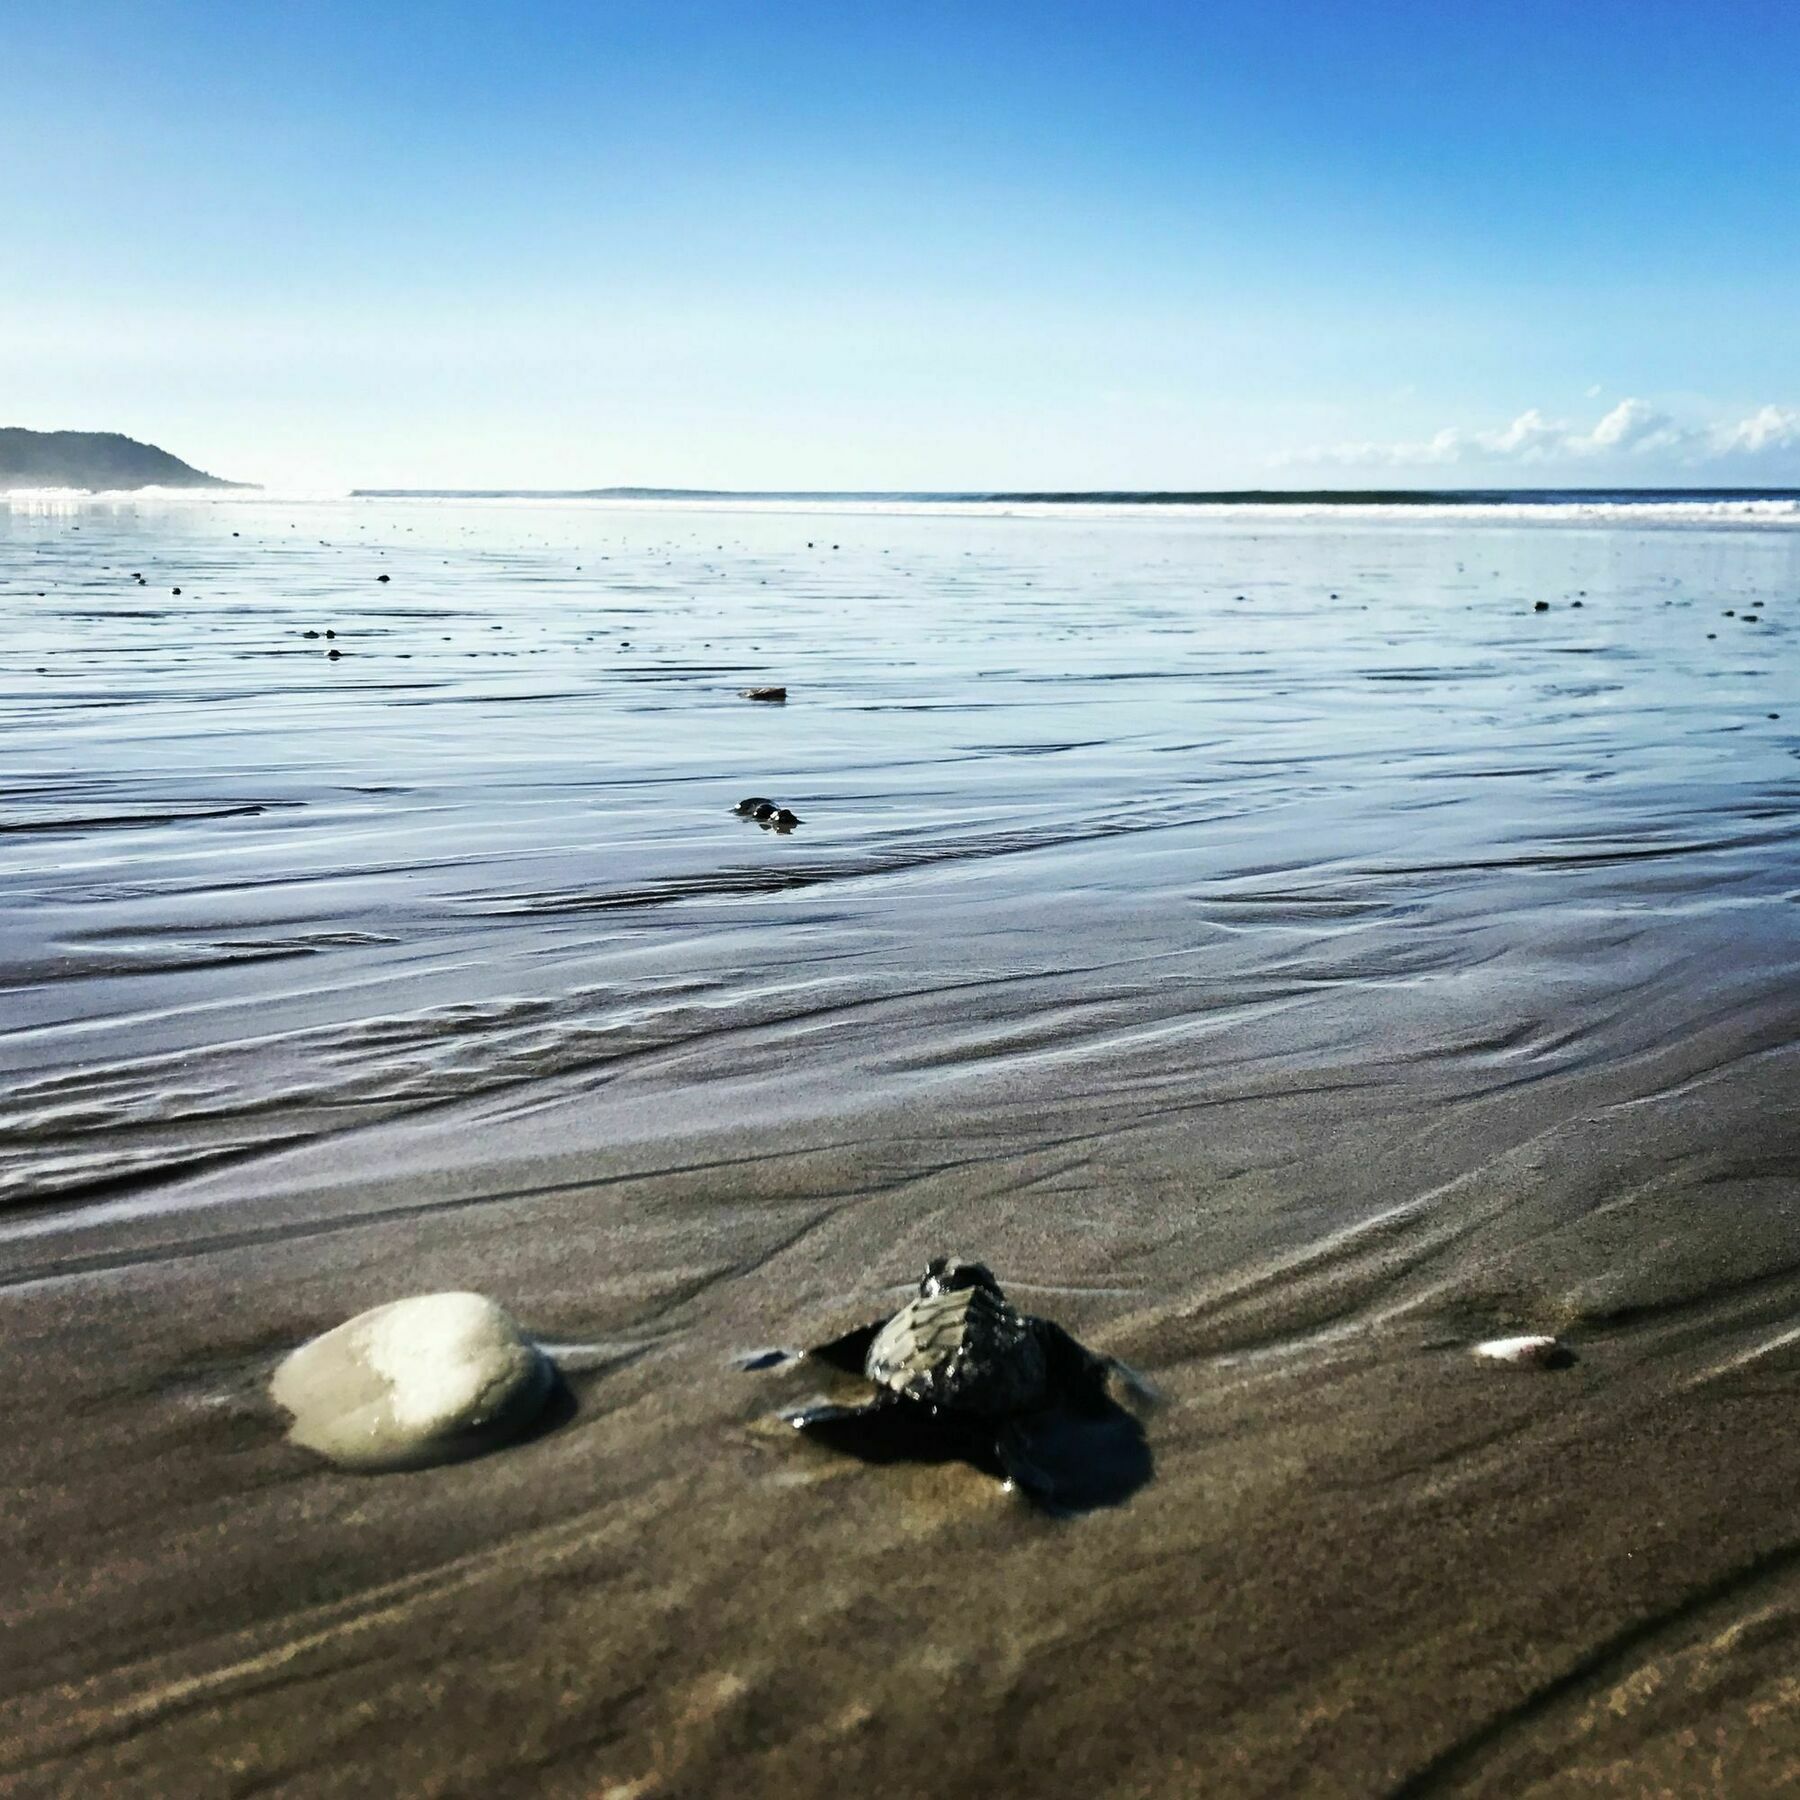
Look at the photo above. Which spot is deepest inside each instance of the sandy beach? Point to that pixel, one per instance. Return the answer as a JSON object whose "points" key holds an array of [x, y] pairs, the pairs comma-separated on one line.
{"points": [[1286, 955]]}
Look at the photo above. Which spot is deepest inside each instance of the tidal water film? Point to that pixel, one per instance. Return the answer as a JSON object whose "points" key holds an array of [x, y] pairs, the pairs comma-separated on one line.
{"points": [[1289, 946]]}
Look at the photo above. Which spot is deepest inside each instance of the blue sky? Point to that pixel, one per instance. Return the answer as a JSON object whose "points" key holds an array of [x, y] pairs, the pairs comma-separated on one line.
{"points": [[913, 245]]}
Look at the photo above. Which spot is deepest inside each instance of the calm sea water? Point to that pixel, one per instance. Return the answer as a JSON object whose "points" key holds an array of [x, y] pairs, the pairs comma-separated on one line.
{"points": [[1072, 783]]}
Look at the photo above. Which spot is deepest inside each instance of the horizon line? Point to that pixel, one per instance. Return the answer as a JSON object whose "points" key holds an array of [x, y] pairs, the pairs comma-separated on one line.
{"points": [[1398, 496]]}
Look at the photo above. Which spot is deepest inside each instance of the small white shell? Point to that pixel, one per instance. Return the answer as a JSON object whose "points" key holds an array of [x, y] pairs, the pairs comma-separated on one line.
{"points": [[1522, 1352]]}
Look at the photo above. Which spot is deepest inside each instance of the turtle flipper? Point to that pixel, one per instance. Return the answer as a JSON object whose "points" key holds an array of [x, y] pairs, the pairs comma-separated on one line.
{"points": [[888, 1428], [825, 1416], [1019, 1470], [1077, 1378]]}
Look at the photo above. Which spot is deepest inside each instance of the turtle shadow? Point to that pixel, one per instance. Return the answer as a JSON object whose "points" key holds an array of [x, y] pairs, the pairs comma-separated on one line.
{"points": [[1064, 1459]]}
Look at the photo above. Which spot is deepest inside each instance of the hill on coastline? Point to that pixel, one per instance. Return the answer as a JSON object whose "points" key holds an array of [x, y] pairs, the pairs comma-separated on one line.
{"points": [[99, 461]]}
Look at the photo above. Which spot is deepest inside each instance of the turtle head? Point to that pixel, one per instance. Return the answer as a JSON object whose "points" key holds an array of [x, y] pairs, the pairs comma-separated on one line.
{"points": [[945, 1274]]}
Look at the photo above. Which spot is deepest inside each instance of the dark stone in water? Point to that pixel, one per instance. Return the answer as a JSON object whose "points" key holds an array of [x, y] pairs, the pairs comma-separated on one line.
{"points": [[1541, 606], [383, 578], [174, 590]]}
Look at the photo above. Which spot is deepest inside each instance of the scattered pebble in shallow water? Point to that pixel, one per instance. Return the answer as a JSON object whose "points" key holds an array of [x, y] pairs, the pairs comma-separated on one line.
{"points": [[418, 1381], [1525, 1352]]}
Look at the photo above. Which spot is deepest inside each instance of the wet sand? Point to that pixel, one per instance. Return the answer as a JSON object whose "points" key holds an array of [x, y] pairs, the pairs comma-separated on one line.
{"points": [[1285, 992]]}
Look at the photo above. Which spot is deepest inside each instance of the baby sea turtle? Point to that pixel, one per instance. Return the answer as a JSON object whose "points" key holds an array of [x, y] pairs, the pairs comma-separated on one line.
{"points": [[959, 1371]]}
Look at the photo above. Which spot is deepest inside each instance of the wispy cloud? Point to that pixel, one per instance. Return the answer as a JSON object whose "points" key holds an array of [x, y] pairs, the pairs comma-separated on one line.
{"points": [[1632, 429]]}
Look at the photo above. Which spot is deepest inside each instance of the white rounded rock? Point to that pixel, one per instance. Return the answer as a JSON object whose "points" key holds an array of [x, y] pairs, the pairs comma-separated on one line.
{"points": [[418, 1381], [1523, 1352]]}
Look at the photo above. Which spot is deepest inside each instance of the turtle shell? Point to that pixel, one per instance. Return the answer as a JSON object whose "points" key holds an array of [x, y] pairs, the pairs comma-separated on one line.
{"points": [[963, 1350]]}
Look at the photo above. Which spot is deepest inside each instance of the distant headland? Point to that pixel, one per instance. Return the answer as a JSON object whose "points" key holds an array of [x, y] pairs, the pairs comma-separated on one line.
{"points": [[97, 461]]}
